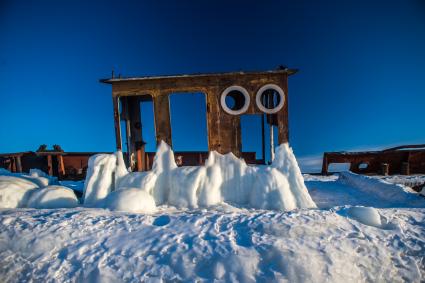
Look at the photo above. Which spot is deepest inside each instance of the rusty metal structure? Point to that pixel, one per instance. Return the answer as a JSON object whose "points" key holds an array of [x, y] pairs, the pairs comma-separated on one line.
{"points": [[264, 93], [55, 162], [404, 160]]}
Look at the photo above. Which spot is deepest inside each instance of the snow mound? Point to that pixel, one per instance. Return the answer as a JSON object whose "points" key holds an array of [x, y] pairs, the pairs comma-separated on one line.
{"points": [[53, 197], [394, 195], [366, 215], [36, 176], [131, 200], [223, 179], [15, 191]]}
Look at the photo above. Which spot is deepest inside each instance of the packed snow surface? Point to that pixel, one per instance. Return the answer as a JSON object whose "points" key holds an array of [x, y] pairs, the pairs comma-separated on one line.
{"points": [[225, 245], [223, 179]]}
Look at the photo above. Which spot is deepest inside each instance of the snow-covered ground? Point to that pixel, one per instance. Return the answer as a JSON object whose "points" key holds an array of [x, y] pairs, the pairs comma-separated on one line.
{"points": [[364, 229]]}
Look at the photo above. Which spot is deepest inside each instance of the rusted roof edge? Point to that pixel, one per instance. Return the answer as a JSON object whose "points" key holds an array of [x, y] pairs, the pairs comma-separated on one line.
{"points": [[122, 79]]}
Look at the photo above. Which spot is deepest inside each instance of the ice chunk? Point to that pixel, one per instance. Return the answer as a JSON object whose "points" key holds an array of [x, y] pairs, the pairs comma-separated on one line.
{"points": [[235, 184], [120, 170], [209, 187], [53, 197], [15, 191], [224, 178], [366, 215], [185, 185], [99, 179], [130, 200], [163, 164], [271, 191], [286, 163]]}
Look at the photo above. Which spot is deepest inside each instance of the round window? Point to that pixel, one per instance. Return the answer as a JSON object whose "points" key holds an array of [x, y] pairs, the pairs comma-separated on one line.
{"points": [[270, 98], [235, 100]]}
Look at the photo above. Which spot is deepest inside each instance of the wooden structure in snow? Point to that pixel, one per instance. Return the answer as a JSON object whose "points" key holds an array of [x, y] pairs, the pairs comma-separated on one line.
{"points": [[263, 93]]}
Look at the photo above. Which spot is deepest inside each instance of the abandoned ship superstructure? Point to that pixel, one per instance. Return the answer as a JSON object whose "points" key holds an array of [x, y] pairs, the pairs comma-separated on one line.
{"points": [[264, 93]]}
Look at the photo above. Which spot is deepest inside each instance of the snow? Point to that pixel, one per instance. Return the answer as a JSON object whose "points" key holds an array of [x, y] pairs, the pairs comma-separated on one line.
{"points": [[20, 190], [222, 222], [226, 245], [366, 215], [53, 197], [223, 179], [130, 199], [99, 179], [36, 176], [14, 191]]}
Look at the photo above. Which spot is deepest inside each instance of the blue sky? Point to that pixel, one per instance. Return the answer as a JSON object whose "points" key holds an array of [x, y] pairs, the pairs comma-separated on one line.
{"points": [[361, 82]]}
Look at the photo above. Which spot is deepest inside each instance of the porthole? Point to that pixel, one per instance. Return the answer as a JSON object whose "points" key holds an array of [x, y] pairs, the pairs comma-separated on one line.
{"points": [[235, 100], [270, 98]]}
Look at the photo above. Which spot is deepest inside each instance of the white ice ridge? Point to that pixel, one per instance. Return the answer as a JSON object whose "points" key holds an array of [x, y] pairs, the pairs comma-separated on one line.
{"points": [[223, 178]]}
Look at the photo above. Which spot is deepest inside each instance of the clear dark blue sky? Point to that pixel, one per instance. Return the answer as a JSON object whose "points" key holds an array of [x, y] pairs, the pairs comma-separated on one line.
{"points": [[361, 82]]}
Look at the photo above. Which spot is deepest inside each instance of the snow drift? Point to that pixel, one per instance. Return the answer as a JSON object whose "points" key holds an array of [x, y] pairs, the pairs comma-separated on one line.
{"points": [[53, 197], [131, 200], [34, 190], [15, 191], [224, 178]]}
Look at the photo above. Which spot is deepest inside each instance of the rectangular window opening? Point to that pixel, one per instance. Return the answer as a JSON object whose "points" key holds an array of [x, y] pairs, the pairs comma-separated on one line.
{"points": [[188, 114], [252, 138]]}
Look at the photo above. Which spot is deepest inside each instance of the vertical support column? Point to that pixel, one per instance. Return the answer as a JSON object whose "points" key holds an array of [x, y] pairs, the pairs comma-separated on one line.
{"points": [[18, 164], [13, 164], [271, 143], [162, 118], [325, 165], [263, 138], [49, 165], [115, 101], [141, 157], [135, 129], [61, 166], [282, 116], [213, 119]]}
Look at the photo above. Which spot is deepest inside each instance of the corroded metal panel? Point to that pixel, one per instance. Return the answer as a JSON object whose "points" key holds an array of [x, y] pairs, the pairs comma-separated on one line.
{"points": [[161, 105], [400, 160]]}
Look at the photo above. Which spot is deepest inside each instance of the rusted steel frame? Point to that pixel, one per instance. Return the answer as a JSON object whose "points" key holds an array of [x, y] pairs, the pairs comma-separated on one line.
{"points": [[125, 116], [161, 105], [115, 102], [61, 166], [405, 146], [379, 162], [224, 133], [49, 165], [18, 164], [263, 138], [282, 116], [135, 128]]}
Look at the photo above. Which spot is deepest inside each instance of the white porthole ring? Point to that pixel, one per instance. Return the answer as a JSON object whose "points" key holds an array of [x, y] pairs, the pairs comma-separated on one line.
{"points": [[260, 93], [240, 89]]}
